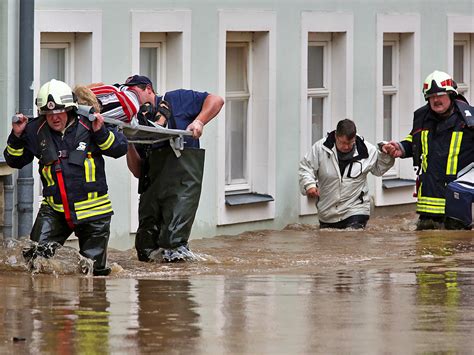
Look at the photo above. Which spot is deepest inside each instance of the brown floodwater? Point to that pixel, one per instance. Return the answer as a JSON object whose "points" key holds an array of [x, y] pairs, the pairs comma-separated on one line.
{"points": [[387, 289]]}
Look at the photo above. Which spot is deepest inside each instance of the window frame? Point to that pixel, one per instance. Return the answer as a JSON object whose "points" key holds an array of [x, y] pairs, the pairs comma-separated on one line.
{"points": [[397, 189], [464, 40], [459, 26], [246, 184], [393, 90], [261, 202], [324, 92], [67, 47], [157, 41]]}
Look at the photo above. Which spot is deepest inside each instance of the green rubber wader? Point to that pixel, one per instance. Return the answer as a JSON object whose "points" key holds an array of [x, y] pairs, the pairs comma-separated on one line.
{"points": [[168, 206]]}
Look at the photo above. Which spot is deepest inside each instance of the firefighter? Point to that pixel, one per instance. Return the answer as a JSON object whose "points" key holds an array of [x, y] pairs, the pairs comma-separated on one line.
{"points": [[441, 144], [168, 204], [70, 150]]}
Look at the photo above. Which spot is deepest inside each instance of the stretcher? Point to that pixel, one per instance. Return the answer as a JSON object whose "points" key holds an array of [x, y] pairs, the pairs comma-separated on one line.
{"points": [[141, 134], [137, 133]]}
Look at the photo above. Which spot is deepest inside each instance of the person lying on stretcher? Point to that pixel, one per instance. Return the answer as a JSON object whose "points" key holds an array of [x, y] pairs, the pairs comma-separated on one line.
{"points": [[121, 102]]}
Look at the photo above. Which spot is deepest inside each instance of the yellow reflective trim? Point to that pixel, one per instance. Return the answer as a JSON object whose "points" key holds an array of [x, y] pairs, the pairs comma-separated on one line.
{"points": [[424, 146], [429, 209], [432, 200], [108, 143], [89, 168], [46, 172], [408, 138], [92, 313], [50, 201], [433, 205], [103, 209], [92, 161], [418, 196], [91, 195], [82, 205], [454, 147], [15, 152]]}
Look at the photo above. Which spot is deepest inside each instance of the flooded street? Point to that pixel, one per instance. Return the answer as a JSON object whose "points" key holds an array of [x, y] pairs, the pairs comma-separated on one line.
{"points": [[300, 290]]}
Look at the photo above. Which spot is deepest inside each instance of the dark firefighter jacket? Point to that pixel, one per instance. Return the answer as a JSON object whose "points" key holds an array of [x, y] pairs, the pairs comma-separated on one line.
{"points": [[440, 148], [78, 154]]}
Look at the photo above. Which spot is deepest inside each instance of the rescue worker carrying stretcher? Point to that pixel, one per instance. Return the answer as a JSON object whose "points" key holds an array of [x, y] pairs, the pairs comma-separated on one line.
{"points": [[441, 143], [70, 150]]}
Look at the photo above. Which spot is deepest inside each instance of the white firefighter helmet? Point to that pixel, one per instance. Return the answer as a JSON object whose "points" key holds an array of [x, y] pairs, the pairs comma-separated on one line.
{"points": [[439, 83], [54, 97]]}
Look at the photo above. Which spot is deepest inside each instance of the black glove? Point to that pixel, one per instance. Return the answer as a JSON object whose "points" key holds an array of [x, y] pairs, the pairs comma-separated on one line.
{"points": [[163, 113], [145, 114]]}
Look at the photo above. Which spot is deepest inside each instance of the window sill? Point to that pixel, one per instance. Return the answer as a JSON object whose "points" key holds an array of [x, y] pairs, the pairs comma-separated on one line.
{"points": [[397, 183], [247, 198]]}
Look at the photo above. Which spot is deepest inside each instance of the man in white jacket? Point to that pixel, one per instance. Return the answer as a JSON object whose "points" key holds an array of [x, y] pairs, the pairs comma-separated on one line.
{"points": [[335, 173]]}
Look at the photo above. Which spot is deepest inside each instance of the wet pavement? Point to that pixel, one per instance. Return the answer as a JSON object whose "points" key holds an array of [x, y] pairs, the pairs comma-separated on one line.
{"points": [[387, 289]]}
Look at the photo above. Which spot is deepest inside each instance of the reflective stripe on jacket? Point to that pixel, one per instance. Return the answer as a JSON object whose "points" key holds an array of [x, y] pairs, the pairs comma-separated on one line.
{"points": [[441, 148], [80, 151]]}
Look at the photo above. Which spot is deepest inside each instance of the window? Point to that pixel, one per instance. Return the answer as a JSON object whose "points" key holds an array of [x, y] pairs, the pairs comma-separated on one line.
{"points": [[246, 135], [153, 58], [238, 116], [398, 96], [319, 54], [57, 57], [462, 62], [240, 122], [54, 57], [461, 53], [390, 88], [59, 53]]}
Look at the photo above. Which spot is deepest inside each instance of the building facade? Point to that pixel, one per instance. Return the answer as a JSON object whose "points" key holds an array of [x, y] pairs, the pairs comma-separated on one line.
{"points": [[288, 70]]}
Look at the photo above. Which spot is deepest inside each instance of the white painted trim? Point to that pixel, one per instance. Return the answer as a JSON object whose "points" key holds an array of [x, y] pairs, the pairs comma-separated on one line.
{"points": [[69, 21], [246, 21], [323, 22], [460, 24], [400, 24], [162, 21]]}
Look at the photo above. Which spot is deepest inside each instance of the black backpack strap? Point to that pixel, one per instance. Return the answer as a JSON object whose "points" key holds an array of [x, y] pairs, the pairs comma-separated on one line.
{"points": [[46, 149], [81, 141], [164, 113]]}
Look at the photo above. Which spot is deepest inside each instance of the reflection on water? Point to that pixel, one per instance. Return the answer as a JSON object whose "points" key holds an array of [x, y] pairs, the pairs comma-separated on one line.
{"points": [[300, 290]]}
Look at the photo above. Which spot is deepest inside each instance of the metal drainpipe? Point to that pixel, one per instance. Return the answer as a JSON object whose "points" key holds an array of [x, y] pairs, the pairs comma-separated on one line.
{"points": [[25, 105], [8, 210]]}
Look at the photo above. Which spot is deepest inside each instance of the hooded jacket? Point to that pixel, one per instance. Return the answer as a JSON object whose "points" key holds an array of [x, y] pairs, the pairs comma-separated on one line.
{"points": [[341, 195]]}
